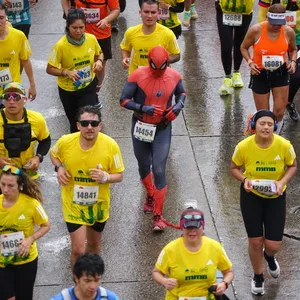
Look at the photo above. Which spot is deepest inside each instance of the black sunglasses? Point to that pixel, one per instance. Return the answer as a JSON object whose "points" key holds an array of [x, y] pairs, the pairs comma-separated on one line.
{"points": [[86, 123]]}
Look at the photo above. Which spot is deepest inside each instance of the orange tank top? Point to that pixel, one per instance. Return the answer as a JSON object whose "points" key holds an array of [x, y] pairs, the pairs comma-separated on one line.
{"points": [[270, 54]]}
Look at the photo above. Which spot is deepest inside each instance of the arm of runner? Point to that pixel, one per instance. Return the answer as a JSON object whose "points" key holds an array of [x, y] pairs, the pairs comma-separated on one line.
{"points": [[113, 14], [125, 58], [173, 58], [63, 176], [25, 244], [98, 64], [5, 161], [292, 50], [249, 40], [227, 279], [29, 72], [288, 175], [237, 173], [159, 277], [64, 73], [66, 5], [103, 177]]}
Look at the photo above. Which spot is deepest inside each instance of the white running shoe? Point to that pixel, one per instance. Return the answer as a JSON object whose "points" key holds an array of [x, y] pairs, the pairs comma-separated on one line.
{"points": [[273, 265], [257, 286]]}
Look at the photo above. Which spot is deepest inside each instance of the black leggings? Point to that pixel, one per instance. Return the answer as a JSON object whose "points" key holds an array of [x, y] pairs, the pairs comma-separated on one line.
{"points": [[18, 281], [231, 37], [263, 216], [74, 100], [153, 155], [295, 80]]}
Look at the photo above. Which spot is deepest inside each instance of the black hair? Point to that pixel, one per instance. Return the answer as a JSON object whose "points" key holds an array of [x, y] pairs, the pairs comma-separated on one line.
{"points": [[3, 7], [150, 2], [89, 264], [89, 109], [73, 15]]}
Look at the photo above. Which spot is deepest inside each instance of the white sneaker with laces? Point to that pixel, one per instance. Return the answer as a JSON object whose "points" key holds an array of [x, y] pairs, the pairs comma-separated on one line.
{"points": [[257, 287]]}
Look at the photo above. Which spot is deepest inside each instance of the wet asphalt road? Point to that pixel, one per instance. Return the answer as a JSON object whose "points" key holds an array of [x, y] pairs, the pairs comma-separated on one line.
{"points": [[203, 140]]}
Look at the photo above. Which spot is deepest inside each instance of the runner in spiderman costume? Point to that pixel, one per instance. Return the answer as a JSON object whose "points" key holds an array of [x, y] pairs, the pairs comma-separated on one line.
{"points": [[149, 93]]}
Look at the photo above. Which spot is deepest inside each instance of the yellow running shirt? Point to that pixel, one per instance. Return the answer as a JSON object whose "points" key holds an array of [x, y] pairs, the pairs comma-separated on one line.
{"points": [[244, 7], [14, 48], [39, 132], [173, 19], [106, 155], [195, 271], [139, 44], [66, 56], [268, 163], [23, 216]]}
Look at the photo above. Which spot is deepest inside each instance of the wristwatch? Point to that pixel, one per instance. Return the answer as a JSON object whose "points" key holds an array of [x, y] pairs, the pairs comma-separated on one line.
{"points": [[40, 156], [58, 166]]}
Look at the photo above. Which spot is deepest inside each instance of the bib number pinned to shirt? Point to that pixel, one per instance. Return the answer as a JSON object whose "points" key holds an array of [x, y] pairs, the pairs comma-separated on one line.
{"points": [[290, 18], [144, 132], [85, 74], [163, 14], [92, 15], [272, 62], [85, 195], [232, 19], [5, 76], [264, 186], [9, 243], [16, 5]]}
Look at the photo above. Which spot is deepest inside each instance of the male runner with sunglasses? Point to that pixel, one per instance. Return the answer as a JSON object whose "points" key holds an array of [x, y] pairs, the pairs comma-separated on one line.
{"points": [[86, 163], [21, 130]]}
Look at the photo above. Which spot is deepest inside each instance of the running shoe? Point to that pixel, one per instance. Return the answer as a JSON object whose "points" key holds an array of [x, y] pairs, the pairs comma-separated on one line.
{"points": [[99, 105], [248, 130], [194, 14], [273, 265], [237, 81], [186, 20], [114, 26], [148, 205], [257, 285], [158, 223], [226, 87], [291, 108]]}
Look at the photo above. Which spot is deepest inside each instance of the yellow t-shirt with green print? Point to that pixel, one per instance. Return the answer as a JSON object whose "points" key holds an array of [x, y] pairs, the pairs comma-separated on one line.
{"points": [[105, 154], [21, 217]]}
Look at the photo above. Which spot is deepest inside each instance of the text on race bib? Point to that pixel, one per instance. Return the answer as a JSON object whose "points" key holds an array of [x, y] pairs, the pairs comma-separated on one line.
{"points": [[85, 74], [272, 62], [290, 18], [144, 132], [85, 195], [5, 76], [264, 186], [232, 19], [163, 14], [92, 15], [16, 5], [9, 243]]}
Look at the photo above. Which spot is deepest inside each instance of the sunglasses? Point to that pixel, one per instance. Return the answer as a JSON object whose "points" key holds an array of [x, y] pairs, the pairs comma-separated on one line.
{"points": [[12, 169], [192, 217], [12, 96], [86, 123]]}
